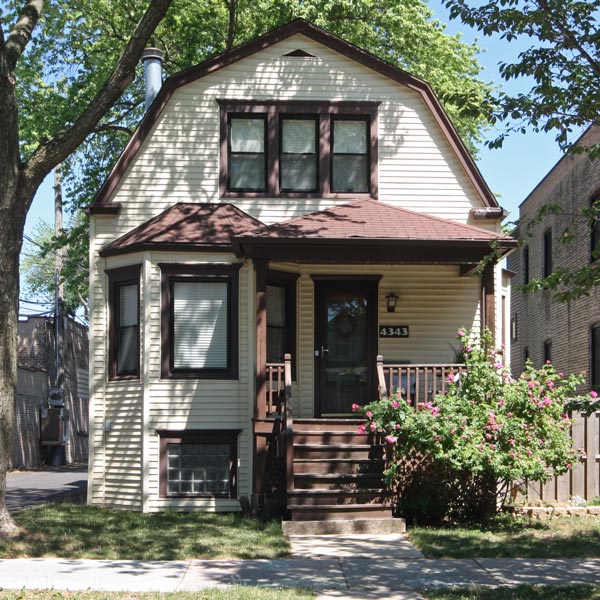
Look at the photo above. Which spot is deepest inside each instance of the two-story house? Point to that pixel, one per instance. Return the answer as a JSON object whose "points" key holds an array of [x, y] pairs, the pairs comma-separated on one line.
{"points": [[294, 196]]}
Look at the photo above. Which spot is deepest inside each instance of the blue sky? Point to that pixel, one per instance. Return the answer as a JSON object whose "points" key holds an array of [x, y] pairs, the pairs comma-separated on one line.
{"points": [[512, 171]]}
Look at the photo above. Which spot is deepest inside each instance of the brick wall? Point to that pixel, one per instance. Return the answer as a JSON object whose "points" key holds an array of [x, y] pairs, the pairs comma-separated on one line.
{"points": [[540, 318]]}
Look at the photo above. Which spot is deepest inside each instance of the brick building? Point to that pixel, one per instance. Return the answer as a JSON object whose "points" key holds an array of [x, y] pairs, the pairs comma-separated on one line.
{"points": [[542, 328], [36, 375]]}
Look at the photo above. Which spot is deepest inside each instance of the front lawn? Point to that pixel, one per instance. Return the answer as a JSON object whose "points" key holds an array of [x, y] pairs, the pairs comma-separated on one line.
{"points": [[76, 531], [523, 592], [232, 593], [511, 537]]}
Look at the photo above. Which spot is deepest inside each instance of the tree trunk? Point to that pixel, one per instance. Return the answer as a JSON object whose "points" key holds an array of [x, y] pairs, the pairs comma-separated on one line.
{"points": [[12, 219]]}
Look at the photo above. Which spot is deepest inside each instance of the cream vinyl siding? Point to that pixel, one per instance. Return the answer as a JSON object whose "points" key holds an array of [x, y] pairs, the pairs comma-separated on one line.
{"points": [[433, 301], [179, 160]]}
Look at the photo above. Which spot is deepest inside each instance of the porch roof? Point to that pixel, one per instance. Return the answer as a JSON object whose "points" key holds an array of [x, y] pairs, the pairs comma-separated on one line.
{"points": [[370, 230], [186, 226]]}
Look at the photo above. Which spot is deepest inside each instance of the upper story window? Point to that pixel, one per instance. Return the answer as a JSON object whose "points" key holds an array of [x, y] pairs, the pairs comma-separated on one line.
{"points": [[547, 253], [298, 149], [200, 321], [525, 265], [124, 322]]}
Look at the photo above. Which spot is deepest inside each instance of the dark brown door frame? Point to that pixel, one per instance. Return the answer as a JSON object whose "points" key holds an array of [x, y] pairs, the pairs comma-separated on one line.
{"points": [[369, 284]]}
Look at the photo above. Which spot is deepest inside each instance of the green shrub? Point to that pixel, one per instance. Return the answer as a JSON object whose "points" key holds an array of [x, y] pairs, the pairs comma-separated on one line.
{"points": [[449, 458]]}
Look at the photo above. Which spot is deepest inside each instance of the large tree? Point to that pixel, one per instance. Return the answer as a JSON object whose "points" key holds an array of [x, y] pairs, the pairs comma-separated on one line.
{"points": [[561, 67], [25, 161]]}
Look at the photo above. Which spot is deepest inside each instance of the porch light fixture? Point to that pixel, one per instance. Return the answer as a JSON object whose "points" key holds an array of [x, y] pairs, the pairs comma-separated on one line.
{"points": [[391, 302]]}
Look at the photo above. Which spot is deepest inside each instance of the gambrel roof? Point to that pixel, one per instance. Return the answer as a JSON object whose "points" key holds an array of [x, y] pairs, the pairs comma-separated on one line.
{"points": [[102, 202]]}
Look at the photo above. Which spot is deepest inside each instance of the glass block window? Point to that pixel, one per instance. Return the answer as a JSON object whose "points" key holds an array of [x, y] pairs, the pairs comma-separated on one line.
{"points": [[247, 156], [298, 161], [350, 156], [198, 469], [198, 463]]}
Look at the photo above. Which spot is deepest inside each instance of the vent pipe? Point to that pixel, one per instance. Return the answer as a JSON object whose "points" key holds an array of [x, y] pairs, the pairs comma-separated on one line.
{"points": [[152, 58]]}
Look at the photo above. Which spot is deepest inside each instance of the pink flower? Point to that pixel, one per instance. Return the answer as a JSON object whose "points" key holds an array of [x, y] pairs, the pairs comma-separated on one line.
{"points": [[435, 411], [512, 441], [373, 426], [394, 404], [548, 362], [594, 394], [451, 377], [361, 429], [501, 403], [452, 431], [498, 365], [547, 401], [531, 384], [390, 439], [355, 407], [461, 333], [469, 349], [369, 414], [397, 425]]}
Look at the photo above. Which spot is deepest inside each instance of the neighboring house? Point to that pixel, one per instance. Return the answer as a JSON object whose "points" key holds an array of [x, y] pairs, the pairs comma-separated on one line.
{"points": [[567, 334], [294, 195], [40, 434]]}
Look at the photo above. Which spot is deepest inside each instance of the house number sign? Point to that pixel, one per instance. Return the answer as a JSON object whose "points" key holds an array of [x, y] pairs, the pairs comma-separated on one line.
{"points": [[393, 331]]}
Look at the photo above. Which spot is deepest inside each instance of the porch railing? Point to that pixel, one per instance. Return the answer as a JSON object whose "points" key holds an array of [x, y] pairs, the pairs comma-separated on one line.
{"points": [[416, 382], [275, 389], [289, 423]]}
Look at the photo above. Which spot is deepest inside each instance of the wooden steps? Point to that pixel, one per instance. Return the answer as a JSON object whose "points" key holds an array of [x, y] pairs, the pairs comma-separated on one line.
{"points": [[338, 473]]}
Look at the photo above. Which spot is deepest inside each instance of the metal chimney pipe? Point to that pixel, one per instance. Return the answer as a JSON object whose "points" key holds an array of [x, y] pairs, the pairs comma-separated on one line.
{"points": [[152, 58]]}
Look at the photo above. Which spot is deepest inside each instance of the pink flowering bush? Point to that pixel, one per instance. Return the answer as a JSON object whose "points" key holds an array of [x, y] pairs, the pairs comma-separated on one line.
{"points": [[487, 431]]}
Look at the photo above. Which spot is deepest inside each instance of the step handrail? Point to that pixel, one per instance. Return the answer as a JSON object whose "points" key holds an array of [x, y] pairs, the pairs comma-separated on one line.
{"points": [[289, 423]]}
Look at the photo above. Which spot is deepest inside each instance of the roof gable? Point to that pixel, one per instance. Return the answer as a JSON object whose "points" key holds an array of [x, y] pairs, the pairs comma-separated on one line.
{"points": [[102, 202]]}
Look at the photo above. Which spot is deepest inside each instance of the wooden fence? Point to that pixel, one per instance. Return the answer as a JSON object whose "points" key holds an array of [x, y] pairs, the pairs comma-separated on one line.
{"points": [[584, 478]]}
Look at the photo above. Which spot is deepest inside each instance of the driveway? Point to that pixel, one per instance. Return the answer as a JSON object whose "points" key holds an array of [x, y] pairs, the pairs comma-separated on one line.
{"points": [[29, 488]]}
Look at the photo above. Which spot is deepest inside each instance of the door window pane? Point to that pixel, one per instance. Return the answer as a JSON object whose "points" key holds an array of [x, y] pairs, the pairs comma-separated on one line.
{"points": [[276, 334]]}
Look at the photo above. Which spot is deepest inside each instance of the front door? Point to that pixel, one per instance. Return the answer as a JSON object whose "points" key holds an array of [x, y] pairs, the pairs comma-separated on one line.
{"points": [[345, 323]]}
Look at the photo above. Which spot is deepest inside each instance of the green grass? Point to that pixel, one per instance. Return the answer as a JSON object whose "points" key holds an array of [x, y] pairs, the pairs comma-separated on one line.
{"points": [[524, 592], [78, 531], [233, 593], [510, 537]]}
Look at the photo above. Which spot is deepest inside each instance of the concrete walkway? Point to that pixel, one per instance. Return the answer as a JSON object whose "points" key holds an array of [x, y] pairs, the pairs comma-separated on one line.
{"points": [[336, 567], [29, 488]]}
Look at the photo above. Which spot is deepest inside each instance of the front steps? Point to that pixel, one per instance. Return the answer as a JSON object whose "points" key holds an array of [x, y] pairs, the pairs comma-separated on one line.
{"points": [[338, 480]]}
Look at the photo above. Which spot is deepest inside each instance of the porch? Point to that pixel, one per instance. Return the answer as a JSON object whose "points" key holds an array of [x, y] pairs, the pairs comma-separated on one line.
{"points": [[332, 471]]}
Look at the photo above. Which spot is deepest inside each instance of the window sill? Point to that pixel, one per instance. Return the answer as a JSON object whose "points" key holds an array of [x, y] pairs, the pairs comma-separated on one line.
{"points": [[297, 195], [200, 375]]}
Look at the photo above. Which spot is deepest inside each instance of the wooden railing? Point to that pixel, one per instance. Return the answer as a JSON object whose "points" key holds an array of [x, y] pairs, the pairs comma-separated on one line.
{"points": [[275, 389], [416, 383], [289, 423]]}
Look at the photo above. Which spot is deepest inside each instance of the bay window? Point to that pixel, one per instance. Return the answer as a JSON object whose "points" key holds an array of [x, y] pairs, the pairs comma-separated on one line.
{"points": [[200, 321]]}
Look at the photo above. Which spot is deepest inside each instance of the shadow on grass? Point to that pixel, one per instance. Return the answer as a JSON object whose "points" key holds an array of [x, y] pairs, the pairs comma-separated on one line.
{"points": [[569, 592], [71, 531], [512, 538]]}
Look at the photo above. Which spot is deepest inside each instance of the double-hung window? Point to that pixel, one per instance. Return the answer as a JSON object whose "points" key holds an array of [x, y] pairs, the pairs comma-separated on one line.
{"points": [[200, 321], [298, 149], [124, 322]]}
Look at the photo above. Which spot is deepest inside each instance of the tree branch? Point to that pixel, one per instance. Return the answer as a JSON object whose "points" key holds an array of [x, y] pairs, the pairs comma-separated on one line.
{"points": [[20, 34], [66, 141]]}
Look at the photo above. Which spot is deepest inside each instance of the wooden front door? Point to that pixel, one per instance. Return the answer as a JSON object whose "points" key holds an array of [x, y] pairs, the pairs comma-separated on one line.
{"points": [[345, 327]]}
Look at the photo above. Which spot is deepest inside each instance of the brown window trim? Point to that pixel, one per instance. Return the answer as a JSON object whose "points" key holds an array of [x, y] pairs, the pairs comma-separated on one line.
{"points": [[288, 282], [229, 273], [229, 436], [116, 278], [324, 112]]}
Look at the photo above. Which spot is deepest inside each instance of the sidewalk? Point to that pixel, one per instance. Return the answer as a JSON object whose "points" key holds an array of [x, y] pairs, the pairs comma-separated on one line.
{"points": [[336, 570]]}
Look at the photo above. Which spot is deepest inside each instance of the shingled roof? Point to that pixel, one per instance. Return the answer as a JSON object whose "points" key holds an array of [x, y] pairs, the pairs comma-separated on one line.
{"points": [[369, 230], [186, 226]]}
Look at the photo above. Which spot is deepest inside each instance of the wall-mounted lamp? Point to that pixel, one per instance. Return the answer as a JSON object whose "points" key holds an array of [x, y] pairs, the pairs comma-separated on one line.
{"points": [[391, 302]]}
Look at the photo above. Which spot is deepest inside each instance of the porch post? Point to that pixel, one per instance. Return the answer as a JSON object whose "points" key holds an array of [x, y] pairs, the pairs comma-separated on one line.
{"points": [[488, 307], [260, 403]]}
